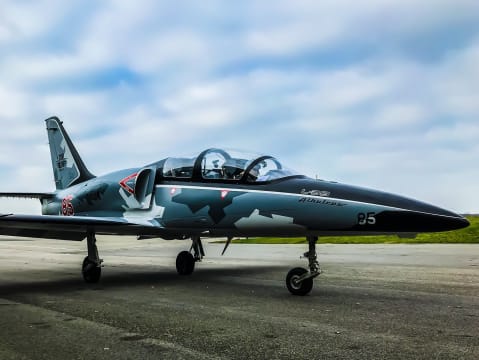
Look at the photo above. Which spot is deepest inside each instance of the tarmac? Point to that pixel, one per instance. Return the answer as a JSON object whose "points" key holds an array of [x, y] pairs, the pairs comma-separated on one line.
{"points": [[372, 302]]}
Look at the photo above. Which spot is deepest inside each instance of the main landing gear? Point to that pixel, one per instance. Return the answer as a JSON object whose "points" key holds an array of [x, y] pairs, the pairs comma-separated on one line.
{"points": [[91, 268], [185, 261], [299, 281]]}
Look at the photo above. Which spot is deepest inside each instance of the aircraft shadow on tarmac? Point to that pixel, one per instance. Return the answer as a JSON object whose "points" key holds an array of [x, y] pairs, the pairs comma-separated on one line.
{"points": [[243, 281], [132, 279]]}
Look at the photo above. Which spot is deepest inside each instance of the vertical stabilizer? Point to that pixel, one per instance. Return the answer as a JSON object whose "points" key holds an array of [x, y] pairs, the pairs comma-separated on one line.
{"points": [[68, 167]]}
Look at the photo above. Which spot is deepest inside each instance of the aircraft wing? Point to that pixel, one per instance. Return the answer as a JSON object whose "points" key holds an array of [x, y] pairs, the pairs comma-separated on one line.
{"points": [[74, 227]]}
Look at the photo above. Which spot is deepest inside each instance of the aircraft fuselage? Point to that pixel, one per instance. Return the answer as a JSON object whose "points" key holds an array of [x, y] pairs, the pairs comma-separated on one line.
{"points": [[296, 206]]}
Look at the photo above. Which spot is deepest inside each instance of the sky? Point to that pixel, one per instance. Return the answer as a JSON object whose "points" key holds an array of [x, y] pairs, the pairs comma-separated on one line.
{"points": [[377, 93]]}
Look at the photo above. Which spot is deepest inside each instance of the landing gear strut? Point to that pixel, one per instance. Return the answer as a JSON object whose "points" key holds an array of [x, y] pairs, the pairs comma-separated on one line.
{"points": [[91, 268], [299, 281], [185, 261], [197, 247]]}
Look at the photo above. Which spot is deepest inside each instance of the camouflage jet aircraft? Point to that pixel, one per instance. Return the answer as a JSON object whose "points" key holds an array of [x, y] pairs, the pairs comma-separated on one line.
{"points": [[218, 193]]}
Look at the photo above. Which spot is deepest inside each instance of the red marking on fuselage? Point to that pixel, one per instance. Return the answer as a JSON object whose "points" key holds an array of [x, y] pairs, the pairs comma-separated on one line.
{"points": [[67, 206], [172, 191], [125, 186], [224, 193]]}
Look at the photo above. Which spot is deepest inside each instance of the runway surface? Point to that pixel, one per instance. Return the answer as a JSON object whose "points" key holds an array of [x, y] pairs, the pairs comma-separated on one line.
{"points": [[371, 302]]}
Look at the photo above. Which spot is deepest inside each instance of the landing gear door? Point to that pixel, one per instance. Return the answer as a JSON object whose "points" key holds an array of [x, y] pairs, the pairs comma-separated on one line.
{"points": [[144, 185]]}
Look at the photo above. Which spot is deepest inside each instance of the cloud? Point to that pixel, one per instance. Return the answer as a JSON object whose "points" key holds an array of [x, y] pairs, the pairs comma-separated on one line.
{"points": [[21, 21], [379, 93]]}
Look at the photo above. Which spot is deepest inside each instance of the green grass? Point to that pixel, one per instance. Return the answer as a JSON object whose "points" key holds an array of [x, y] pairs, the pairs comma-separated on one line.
{"points": [[467, 235]]}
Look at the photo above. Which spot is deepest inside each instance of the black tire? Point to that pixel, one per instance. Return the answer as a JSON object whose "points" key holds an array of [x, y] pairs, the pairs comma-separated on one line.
{"points": [[298, 288], [185, 263], [90, 271]]}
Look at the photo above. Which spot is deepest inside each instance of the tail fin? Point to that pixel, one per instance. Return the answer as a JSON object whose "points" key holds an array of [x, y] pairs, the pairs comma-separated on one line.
{"points": [[68, 167]]}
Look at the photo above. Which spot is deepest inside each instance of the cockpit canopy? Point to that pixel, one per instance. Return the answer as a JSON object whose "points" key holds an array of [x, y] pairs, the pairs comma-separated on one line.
{"points": [[219, 165]]}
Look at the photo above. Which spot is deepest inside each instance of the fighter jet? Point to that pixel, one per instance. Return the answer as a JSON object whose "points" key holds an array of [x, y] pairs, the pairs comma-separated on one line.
{"points": [[218, 193]]}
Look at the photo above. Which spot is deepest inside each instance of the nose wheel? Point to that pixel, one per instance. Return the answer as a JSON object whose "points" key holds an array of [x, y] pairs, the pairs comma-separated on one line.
{"points": [[295, 285], [299, 281]]}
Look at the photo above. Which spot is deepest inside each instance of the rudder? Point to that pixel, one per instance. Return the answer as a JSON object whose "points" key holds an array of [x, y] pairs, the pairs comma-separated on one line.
{"points": [[68, 167]]}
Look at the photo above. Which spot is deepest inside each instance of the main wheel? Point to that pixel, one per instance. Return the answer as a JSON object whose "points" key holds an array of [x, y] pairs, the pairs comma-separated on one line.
{"points": [[296, 287], [185, 263], [90, 271]]}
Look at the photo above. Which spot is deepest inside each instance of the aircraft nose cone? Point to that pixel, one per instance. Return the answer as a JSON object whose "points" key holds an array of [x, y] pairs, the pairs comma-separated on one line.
{"points": [[443, 223], [414, 221], [433, 218], [461, 222], [410, 215]]}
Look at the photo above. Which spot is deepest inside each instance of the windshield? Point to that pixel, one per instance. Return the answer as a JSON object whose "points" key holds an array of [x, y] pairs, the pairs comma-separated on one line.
{"points": [[267, 170], [225, 165]]}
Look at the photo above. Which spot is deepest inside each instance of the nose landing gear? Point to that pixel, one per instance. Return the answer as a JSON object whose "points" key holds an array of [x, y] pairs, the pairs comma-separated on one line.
{"points": [[299, 281]]}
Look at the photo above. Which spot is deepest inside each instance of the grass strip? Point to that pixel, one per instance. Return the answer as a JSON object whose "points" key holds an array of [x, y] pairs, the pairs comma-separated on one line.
{"points": [[469, 235]]}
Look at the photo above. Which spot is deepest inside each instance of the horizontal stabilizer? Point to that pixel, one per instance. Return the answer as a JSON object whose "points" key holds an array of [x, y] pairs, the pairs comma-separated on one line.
{"points": [[24, 195]]}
